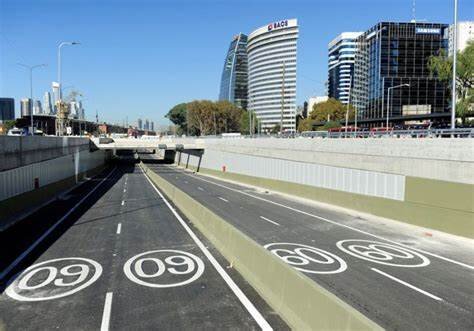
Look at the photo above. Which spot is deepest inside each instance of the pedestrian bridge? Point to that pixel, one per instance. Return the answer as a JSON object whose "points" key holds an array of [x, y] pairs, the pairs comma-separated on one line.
{"points": [[149, 144]]}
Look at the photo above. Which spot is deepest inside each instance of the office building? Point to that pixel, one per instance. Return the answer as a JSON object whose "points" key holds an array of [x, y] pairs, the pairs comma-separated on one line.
{"points": [[465, 33], [272, 57], [37, 108], [147, 125], [152, 126], [140, 124], [47, 103], [392, 54], [7, 109], [25, 107], [234, 74], [55, 88], [341, 53]]}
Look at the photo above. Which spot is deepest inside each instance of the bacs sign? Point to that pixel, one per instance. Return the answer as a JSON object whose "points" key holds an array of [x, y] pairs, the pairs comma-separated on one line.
{"points": [[277, 25]]}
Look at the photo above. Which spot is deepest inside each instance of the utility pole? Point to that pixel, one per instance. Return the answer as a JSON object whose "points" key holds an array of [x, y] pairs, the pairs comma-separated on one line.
{"points": [[348, 103], [455, 49], [282, 98]]}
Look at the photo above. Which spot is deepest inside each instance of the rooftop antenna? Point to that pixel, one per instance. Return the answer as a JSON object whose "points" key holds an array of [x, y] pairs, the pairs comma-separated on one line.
{"points": [[413, 12]]}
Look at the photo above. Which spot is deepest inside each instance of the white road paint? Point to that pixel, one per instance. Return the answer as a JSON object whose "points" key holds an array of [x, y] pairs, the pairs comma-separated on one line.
{"points": [[269, 220], [200, 188], [186, 182], [124, 190], [123, 202], [133, 268], [383, 253], [51, 229], [462, 264], [107, 310], [407, 284], [225, 200], [54, 286], [119, 228], [257, 316]]}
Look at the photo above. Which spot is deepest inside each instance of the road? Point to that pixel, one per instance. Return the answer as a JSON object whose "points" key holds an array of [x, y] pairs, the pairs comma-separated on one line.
{"points": [[371, 265], [112, 254]]}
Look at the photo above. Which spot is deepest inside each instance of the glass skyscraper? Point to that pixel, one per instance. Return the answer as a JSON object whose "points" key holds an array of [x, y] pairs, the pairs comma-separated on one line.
{"points": [[272, 52], [234, 75], [341, 53], [7, 109], [390, 54]]}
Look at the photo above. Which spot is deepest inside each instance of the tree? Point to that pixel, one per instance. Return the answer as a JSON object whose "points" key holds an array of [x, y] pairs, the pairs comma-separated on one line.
{"points": [[9, 124], [244, 122], [305, 124], [275, 129], [441, 66], [331, 110], [178, 116]]}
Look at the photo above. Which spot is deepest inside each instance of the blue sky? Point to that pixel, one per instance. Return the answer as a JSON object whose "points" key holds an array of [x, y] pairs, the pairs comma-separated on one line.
{"points": [[139, 58]]}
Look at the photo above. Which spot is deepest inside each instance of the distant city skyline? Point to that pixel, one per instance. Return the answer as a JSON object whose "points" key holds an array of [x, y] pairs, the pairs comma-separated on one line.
{"points": [[116, 65]]}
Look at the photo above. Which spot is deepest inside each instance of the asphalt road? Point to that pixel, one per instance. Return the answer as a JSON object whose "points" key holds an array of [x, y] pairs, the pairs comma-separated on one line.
{"points": [[376, 268], [112, 254]]}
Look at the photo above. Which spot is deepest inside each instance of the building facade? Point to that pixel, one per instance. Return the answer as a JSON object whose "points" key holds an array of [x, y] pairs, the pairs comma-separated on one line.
{"points": [[47, 104], [140, 124], [391, 54], [341, 54], [25, 107], [234, 74], [314, 101], [7, 109], [37, 108], [465, 33], [272, 55]]}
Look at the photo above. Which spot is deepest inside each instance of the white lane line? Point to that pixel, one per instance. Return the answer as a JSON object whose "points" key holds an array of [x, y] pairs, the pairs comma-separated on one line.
{"points": [[106, 314], [200, 188], [223, 199], [232, 285], [124, 190], [268, 220], [119, 228], [123, 202], [40, 239], [407, 284], [186, 182], [337, 223]]}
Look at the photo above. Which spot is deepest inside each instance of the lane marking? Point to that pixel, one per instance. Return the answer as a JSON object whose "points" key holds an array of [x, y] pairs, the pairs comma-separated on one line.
{"points": [[407, 284], [223, 199], [123, 202], [268, 220], [462, 264], [257, 316], [47, 232], [124, 190], [119, 228], [106, 314], [186, 182], [200, 188]]}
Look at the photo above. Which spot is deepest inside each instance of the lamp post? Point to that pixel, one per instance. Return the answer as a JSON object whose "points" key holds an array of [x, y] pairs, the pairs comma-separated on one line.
{"points": [[64, 43], [453, 97], [31, 68], [389, 99]]}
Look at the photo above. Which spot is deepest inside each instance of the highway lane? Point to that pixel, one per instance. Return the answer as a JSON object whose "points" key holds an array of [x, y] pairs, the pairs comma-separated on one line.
{"points": [[394, 285], [126, 261]]}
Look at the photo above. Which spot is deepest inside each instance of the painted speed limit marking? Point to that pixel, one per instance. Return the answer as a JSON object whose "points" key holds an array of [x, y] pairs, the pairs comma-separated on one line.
{"points": [[54, 279], [164, 268], [383, 253], [307, 258]]}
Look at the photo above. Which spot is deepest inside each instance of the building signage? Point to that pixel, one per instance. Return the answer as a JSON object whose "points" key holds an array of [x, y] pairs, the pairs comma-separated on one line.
{"points": [[276, 25], [428, 30]]}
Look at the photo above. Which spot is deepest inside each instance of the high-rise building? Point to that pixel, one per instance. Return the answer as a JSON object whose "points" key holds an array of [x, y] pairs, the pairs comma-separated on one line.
{"points": [[140, 124], [314, 101], [47, 104], [234, 75], [7, 109], [152, 126], [73, 108], [341, 51], [81, 114], [25, 107], [147, 125], [390, 55], [464, 34], [271, 53], [37, 108], [55, 88]]}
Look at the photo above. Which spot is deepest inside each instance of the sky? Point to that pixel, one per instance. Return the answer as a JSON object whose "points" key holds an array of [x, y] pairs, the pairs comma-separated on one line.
{"points": [[139, 58]]}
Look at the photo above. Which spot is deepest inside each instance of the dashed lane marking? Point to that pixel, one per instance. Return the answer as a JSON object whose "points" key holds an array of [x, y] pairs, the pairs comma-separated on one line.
{"points": [[225, 200], [107, 310], [119, 228], [407, 284], [268, 220]]}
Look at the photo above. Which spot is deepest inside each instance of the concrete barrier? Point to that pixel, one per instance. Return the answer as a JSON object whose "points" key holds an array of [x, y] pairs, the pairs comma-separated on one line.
{"points": [[301, 302]]}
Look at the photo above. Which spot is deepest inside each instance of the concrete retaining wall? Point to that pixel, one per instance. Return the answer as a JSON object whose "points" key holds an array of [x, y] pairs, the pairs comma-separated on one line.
{"points": [[426, 182], [301, 302]]}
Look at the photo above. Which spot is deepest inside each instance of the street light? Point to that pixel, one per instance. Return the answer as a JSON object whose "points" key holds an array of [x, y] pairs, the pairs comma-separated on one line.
{"points": [[453, 97], [64, 43], [31, 68], [388, 101]]}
